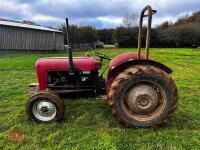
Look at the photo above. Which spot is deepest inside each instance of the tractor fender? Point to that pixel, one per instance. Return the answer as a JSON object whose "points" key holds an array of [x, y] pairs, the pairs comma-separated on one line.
{"points": [[114, 70]]}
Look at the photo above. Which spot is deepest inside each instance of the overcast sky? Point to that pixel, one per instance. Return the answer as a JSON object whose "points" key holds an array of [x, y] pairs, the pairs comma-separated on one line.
{"points": [[98, 13]]}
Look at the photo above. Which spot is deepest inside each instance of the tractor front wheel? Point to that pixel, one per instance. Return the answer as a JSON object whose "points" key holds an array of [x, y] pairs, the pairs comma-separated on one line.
{"points": [[45, 107], [143, 96]]}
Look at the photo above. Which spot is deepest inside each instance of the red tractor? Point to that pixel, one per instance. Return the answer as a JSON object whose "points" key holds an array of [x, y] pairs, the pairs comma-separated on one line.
{"points": [[140, 91]]}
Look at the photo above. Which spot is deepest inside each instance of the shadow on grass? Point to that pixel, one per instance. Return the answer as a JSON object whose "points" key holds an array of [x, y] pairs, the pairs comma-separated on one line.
{"points": [[89, 112], [96, 113], [183, 121]]}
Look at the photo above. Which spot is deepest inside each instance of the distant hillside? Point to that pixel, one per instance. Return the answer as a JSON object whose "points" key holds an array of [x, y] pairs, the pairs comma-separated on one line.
{"points": [[195, 18]]}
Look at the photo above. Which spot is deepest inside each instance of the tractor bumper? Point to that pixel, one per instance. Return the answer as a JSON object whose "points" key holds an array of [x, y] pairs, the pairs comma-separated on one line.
{"points": [[33, 88]]}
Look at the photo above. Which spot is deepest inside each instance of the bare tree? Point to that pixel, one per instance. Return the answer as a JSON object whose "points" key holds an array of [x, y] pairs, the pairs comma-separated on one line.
{"points": [[130, 20]]}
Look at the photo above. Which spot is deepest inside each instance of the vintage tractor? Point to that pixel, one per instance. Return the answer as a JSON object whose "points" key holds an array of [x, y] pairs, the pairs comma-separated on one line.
{"points": [[140, 91]]}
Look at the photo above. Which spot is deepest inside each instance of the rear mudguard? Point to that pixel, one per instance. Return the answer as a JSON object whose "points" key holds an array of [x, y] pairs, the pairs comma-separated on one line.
{"points": [[115, 70]]}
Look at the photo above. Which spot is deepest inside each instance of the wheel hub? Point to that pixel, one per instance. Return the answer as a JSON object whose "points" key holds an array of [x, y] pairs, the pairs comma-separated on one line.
{"points": [[142, 99], [44, 110]]}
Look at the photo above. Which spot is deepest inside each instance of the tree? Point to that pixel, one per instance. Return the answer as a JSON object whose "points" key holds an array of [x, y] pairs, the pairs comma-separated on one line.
{"points": [[130, 20], [106, 35], [195, 17], [126, 37], [185, 35], [165, 25], [78, 35]]}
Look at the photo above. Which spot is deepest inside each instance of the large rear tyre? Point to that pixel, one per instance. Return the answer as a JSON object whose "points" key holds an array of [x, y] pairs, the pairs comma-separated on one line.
{"points": [[45, 107], [143, 96]]}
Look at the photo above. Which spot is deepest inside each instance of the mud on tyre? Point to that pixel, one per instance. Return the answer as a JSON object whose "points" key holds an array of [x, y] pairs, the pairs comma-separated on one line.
{"points": [[143, 96]]}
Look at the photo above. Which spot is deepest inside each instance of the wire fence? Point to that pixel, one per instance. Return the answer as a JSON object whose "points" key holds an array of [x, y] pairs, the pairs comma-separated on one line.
{"points": [[83, 47]]}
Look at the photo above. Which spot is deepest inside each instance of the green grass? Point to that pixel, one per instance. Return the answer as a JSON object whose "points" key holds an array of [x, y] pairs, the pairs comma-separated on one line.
{"points": [[88, 123]]}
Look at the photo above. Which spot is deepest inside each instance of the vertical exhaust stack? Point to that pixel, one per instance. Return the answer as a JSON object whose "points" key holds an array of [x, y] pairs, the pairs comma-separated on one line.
{"points": [[69, 50]]}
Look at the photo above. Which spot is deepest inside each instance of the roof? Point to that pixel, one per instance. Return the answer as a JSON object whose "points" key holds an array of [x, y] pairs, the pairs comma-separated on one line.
{"points": [[25, 25]]}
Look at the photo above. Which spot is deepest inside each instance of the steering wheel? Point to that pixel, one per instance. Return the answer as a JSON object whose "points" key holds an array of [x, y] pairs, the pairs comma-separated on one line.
{"points": [[102, 56]]}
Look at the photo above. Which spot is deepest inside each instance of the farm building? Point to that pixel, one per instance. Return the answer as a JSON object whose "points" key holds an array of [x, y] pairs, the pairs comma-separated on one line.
{"points": [[16, 35]]}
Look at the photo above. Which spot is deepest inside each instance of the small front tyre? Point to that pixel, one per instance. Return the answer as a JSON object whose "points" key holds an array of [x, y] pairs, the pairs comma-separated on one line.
{"points": [[45, 107]]}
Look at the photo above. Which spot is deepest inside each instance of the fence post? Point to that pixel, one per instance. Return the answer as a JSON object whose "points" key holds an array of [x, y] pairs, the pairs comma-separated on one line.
{"points": [[95, 47]]}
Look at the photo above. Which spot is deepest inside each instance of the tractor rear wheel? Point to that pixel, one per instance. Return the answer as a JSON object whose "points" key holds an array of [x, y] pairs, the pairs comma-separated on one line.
{"points": [[45, 107], [143, 96]]}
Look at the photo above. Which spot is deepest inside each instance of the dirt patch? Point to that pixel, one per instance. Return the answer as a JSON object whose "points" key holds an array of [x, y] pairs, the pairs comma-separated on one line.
{"points": [[16, 136]]}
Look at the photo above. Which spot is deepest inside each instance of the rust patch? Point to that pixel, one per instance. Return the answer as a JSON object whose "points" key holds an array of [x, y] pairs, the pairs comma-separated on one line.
{"points": [[16, 136]]}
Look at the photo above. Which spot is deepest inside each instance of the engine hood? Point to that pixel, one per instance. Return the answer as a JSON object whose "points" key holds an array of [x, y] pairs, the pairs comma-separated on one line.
{"points": [[62, 63]]}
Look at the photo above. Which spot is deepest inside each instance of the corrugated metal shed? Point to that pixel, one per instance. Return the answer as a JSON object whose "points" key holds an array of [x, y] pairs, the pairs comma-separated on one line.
{"points": [[16, 35]]}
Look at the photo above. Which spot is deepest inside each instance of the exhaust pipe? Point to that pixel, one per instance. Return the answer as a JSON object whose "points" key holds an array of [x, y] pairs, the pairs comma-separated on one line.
{"points": [[69, 50]]}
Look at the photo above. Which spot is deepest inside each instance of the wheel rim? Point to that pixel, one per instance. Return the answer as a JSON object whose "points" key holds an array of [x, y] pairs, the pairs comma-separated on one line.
{"points": [[44, 110], [144, 101]]}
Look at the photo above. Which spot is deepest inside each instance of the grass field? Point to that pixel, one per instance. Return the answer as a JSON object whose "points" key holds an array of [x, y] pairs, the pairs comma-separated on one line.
{"points": [[88, 123]]}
